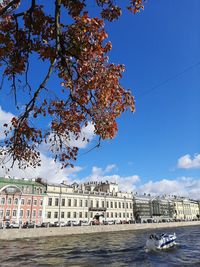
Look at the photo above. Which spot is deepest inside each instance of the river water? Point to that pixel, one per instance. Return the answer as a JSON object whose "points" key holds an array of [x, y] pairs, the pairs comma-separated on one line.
{"points": [[106, 249]]}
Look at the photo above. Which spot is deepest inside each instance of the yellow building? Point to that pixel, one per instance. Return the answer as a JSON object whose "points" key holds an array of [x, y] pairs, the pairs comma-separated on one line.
{"points": [[185, 209]]}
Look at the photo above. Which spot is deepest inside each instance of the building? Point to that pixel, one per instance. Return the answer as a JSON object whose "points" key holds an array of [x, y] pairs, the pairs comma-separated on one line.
{"points": [[21, 200], [142, 209], [147, 208], [185, 209], [86, 202], [162, 208]]}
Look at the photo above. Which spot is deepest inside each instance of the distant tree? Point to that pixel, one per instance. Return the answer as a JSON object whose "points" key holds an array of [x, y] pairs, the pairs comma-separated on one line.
{"points": [[73, 45]]}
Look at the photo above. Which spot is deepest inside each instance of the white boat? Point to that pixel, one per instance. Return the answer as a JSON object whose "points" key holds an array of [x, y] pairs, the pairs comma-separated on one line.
{"points": [[159, 242]]}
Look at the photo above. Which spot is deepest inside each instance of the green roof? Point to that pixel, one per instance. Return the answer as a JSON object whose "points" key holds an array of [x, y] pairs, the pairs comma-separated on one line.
{"points": [[18, 181]]}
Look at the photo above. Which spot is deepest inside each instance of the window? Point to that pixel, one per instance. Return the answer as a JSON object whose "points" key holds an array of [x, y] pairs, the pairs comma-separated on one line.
{"points": [[69, 202], [40, 213], [130, 205], [74, 214], [29, 202], [91, 203], [14, 213], [86, 203], [7, 213], [97, 204], [120, 215], [111, 215], [10, 200], [80, 202], [123, 205], [55, 214], [116, 205], [127, 205], [49, 215], [107, 204], [75, 202], [3, 200], [80, 214], [21, 214], [111, 205], [1, 213], [41, 202], [107, 214], [16, 201], [115, 214], [63, 202], [27, 213], [119, 205], [124, 215], [50, 201], [62, 214], [27, 189], [34, 213], [68, 214], [86, 214], [56, 201], [102, 204], [22, 201], [35, 202]]}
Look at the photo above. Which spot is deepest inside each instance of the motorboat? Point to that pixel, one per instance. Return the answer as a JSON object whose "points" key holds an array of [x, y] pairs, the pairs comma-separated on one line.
{"points": [[159, 242]]}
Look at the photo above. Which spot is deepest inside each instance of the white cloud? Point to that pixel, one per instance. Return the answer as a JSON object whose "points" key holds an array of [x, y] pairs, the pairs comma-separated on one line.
{"points": [[49, 170], [126, 183], [182, 186], [5, 117], [186, 162], [87, 133]]}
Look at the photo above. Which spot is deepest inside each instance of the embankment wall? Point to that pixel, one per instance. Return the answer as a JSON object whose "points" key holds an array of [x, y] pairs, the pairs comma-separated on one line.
{"points": [[11, 234]]}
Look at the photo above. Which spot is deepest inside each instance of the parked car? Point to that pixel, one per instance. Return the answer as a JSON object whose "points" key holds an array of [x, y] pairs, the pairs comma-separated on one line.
{"points": [[72, 223], [28, 225], [44, 224], [59, 224], [85, 223], [109, 222], [13, 225]]}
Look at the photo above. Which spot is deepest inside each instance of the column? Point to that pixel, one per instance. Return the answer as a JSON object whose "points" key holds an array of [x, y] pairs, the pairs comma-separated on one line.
{"points": [[18, 209]]}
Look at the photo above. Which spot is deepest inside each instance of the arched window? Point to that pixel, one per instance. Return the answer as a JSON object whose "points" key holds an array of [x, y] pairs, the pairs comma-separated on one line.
{"points": [[16, 201], [10, 200], [3, 200]]}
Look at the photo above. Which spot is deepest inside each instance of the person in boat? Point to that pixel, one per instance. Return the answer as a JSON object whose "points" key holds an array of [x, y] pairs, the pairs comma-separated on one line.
{"points": [[154, 236]]}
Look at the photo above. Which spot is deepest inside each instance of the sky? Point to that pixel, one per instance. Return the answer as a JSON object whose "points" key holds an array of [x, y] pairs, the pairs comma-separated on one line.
{"points": [[157, 149]]}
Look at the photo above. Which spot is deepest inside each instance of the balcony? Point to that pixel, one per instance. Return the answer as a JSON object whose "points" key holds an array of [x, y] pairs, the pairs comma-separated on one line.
{"points": [[97, 209]]}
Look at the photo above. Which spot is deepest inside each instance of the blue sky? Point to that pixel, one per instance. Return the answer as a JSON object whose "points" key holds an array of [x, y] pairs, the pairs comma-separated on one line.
{"points": [[158, 146]]}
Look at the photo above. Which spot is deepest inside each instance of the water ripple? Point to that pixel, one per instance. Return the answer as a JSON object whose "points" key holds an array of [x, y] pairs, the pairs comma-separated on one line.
{"points": [[121, 249]]}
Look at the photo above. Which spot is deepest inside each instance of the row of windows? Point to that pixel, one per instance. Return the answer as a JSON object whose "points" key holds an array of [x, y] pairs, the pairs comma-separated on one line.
{"points": [[22, 213], [80, 215], [81, 203], [15, 201], [28, 189]]}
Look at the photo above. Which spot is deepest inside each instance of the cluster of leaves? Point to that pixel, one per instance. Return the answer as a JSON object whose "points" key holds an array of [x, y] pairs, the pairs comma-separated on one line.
{"points": [[77, 53]]}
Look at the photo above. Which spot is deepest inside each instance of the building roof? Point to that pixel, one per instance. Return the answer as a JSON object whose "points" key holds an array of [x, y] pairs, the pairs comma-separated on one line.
{"points": [[15, 181]]}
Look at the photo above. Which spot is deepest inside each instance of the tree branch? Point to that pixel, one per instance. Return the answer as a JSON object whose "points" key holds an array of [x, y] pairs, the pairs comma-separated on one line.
{"points": [[8, 6]]}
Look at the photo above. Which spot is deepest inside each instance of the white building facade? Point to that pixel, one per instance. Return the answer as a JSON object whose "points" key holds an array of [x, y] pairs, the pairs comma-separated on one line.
{"points": [[86, 202]]}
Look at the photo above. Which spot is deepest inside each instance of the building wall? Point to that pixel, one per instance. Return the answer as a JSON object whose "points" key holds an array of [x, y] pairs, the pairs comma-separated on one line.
{"points": [[21, 201], [64, 204]]}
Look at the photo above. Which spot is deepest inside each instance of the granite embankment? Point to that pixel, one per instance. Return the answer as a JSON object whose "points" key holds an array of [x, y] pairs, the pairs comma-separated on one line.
{"points": [[11, 234]]}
